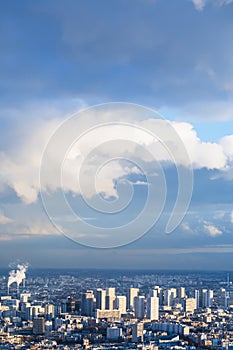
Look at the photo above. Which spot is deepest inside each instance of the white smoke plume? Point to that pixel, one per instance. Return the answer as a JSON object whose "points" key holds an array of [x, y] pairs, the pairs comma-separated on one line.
{"points": [[17, 275]]}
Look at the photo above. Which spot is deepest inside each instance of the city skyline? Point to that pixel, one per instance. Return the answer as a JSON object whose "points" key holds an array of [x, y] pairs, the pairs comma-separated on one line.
{"points": [[172, 58], [74, 309]]}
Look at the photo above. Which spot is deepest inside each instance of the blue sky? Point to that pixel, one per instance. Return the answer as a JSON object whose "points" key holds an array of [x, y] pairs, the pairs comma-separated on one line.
{"points": [[175, 57]]}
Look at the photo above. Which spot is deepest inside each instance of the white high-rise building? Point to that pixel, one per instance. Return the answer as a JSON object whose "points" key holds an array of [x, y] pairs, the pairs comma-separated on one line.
{"points": [[152, 308], [204, 298], [139, 307], [49, 311], [120, 303], [111, 292], [110, 298], [207, 296], [190, 305], [132, 293], [210, 298], [169, 296], [181, 292]]}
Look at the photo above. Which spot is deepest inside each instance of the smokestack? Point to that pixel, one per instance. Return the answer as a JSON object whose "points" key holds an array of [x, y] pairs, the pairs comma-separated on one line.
{"points": [[17, 276]]}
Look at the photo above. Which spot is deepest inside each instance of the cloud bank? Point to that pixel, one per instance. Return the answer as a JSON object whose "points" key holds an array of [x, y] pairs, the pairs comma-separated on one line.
{"points": [[20, 167]]}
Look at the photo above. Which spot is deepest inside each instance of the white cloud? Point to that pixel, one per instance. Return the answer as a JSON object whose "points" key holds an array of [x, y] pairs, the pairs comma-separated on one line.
{"points": [[186, 227], [42, 228], [212, 230], [16, 228], [5, 238], [140, 183], [219, 215], [210, 155], [20, 166], [200, 4], [206, 69], [4, 219], [227, 144]]}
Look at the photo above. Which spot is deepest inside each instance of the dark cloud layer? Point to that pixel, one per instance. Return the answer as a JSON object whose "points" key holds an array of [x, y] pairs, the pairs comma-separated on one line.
{"points": [[163, 53]]}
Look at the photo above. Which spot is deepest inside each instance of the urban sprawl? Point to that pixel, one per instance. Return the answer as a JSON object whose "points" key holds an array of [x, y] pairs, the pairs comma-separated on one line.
{"points": [[94, 310]]}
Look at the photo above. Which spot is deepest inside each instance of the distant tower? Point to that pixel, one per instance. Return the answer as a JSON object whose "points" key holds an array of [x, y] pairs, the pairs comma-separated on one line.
{"points": [[87, 303], [100, 299], [228, 280], [139, 307], [110, 298], [181, 292]]}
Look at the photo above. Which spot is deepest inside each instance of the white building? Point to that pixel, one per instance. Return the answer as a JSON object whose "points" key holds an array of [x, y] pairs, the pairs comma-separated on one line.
{"points": [[152, 308], [120, 303], [190, 305], [132, 293], [110, 298]]}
